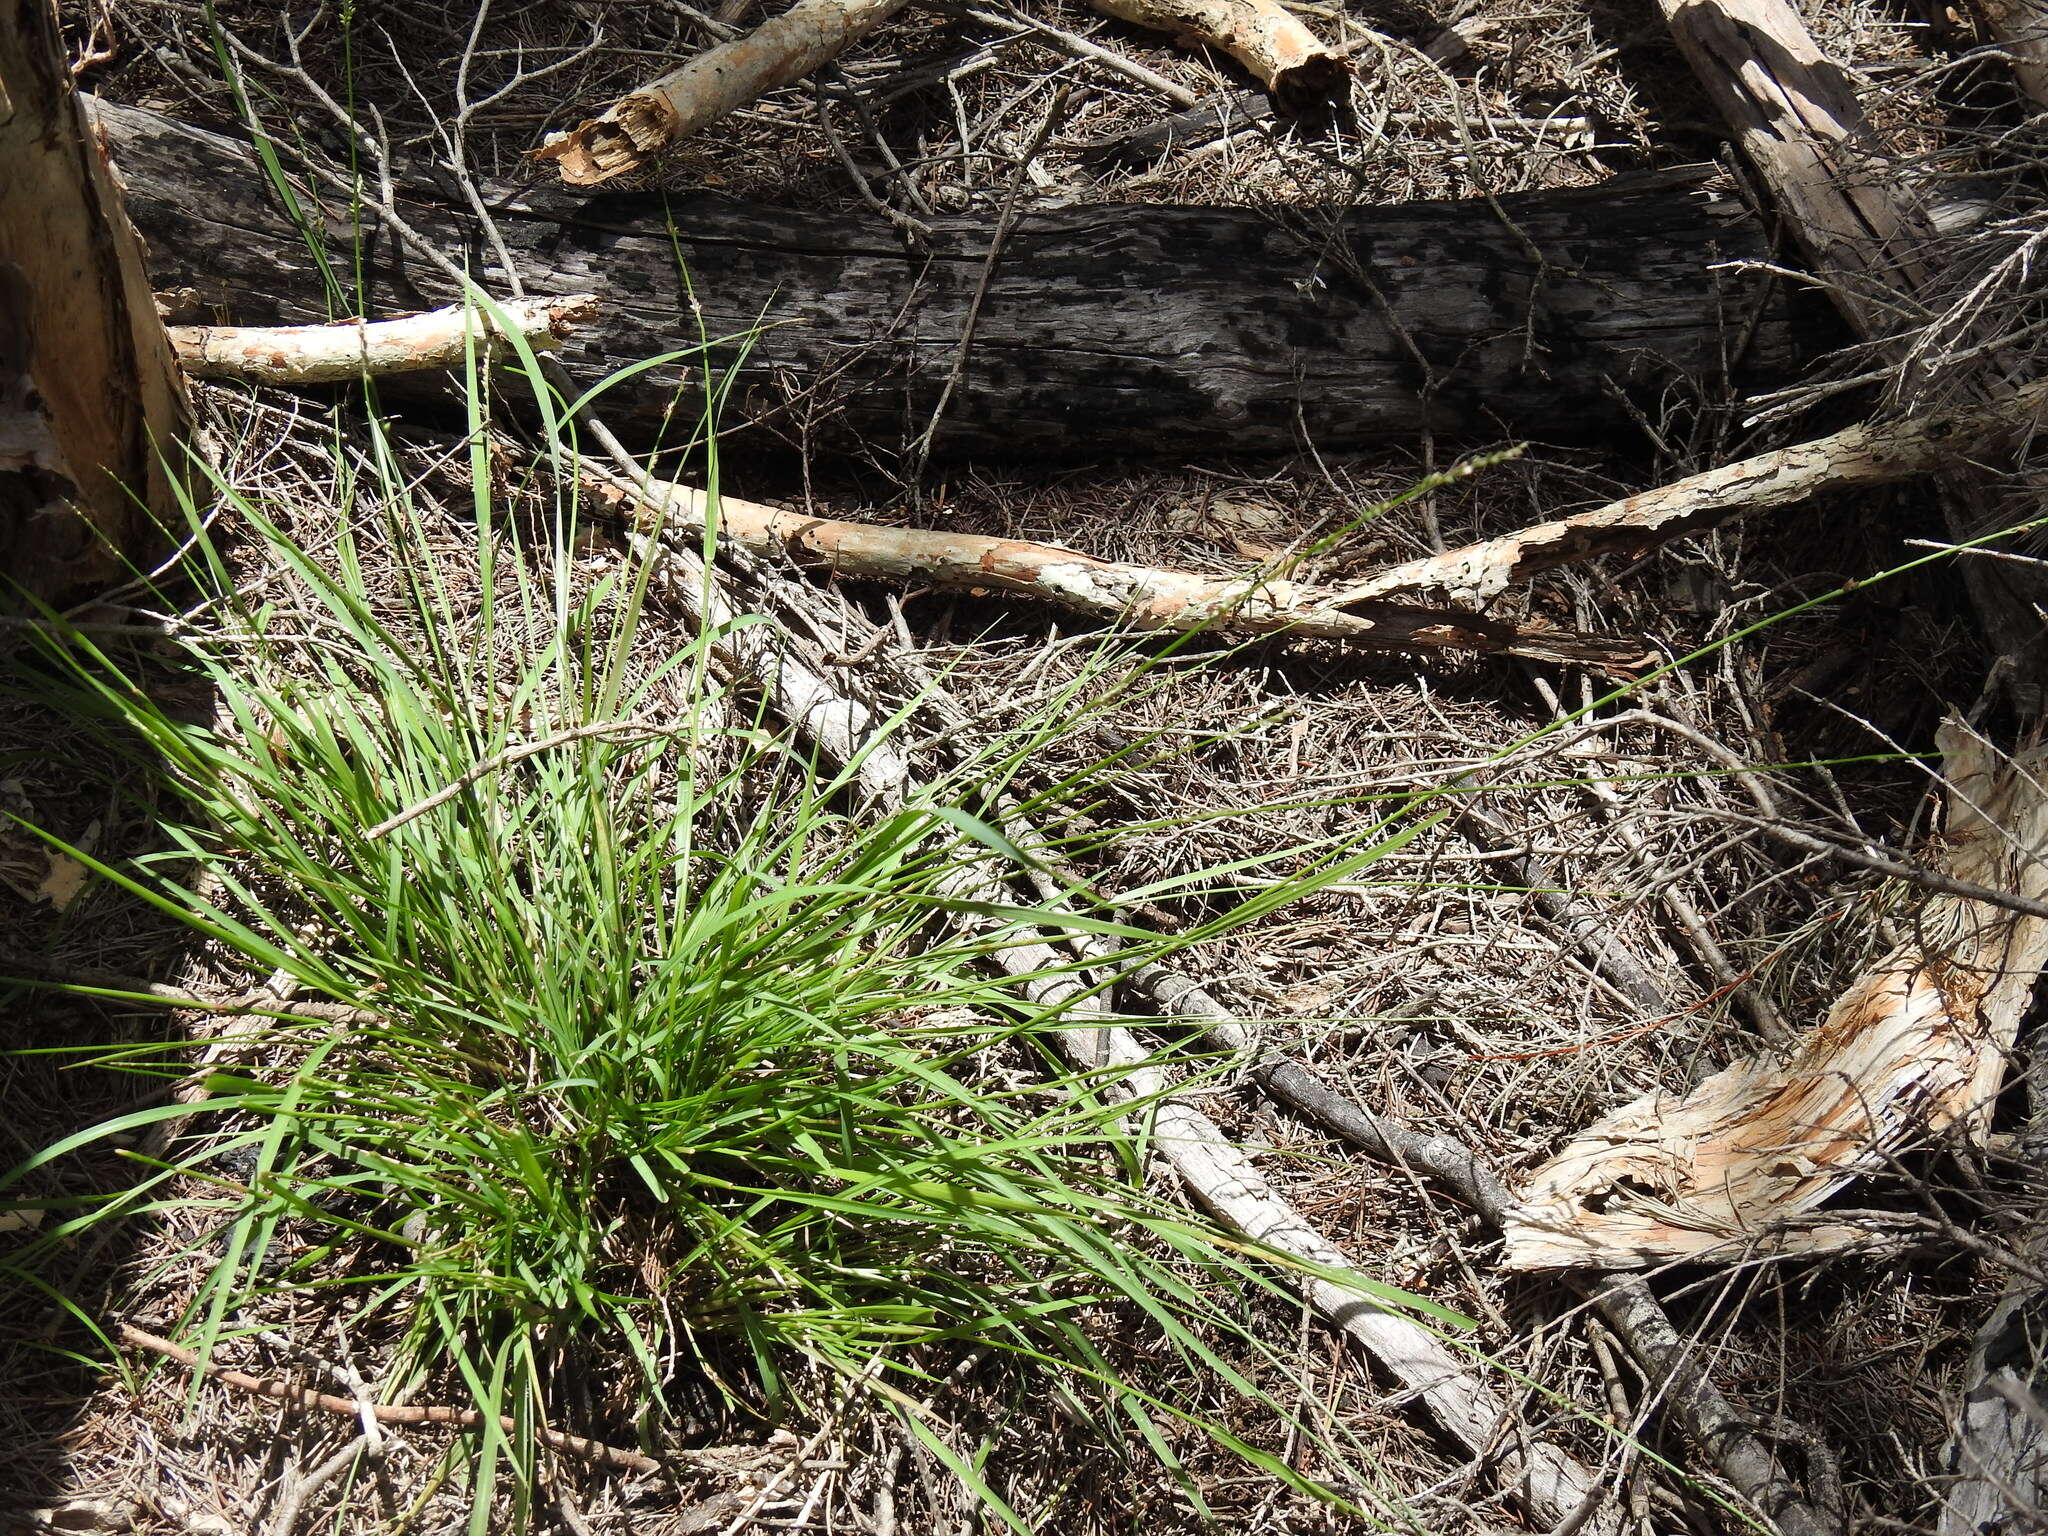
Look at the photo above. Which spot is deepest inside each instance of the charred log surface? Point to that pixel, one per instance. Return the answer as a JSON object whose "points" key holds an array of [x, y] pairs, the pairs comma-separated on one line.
{"points": [[1104, 331]]}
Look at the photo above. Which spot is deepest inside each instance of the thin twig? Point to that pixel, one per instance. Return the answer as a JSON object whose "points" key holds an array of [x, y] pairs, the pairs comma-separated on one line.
{"points": [[385, 1413]]}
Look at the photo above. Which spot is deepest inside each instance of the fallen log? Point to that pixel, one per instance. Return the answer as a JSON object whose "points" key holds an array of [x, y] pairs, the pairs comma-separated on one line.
{"points": [[348, 349], [718, 81], [1146, 597], [1916, 1047], [1105, 332]]}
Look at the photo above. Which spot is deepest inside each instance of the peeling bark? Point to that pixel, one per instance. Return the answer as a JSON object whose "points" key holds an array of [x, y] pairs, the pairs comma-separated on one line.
{"points": [[91, 405], [718, 81], [348, 349], [1145, 597], [1290, 61], [1104, 332], [1915, 1048], [1468, 578]]}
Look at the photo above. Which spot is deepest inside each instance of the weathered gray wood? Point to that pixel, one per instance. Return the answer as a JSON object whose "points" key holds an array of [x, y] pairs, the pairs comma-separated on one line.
{"points": [[1870, 236], [1106, 331]]}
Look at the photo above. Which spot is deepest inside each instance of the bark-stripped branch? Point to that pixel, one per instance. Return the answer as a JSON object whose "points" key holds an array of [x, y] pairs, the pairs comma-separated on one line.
{"points": [[1876, 454], [1288, 59], [1146, 597], [1553, 1486], [348, 349], [717, 81], [1797, 116]]}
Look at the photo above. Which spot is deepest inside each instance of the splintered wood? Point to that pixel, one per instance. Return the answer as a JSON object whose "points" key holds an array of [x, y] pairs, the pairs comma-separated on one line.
{"points": [[716, 82], [1914, 1048]]}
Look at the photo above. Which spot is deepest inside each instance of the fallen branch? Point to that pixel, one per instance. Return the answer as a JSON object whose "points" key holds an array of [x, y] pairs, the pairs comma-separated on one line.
{"points": [[1795, 112], [307, 1398], [1915, 1047], [718, 81], [1876, 454], [1146, 597], [348, 349], [1289, 60], [1629, 1307], [1554, 1487]]}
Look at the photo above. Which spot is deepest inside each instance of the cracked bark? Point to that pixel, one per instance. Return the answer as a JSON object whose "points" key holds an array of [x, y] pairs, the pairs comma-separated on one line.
{"points": [[1106, 332]]}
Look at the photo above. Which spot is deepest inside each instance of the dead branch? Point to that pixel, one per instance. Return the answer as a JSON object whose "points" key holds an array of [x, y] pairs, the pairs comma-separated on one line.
{"points": [[1795, 111], [306, 1398], [1288, 59], [1915, 1047], [1220, 1176], [348, 349], [1875, 454], [1146, 597], [717, 81], [1629, 1307]]}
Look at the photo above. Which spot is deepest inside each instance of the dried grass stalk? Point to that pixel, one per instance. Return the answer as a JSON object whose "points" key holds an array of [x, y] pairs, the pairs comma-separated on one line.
{"points": [[1288, 59], [1471, 576], [1915, 1047], [1147, 597], [717, 81], [327, 354]]}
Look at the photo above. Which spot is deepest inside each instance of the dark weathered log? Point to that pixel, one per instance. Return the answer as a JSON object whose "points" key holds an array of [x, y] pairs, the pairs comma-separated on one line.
{"points": [[1105, 331], [90, 399]]}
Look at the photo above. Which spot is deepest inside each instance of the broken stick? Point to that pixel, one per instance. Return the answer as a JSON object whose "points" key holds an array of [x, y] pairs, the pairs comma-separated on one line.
{"points": [[1289, 60], [384, 1413], [1627, 1305], [349, 349], [717, 81]]}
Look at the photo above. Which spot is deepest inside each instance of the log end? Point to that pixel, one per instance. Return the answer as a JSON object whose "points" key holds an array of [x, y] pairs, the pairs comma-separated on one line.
{"points": [[1313, 87], [607, 147]]}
